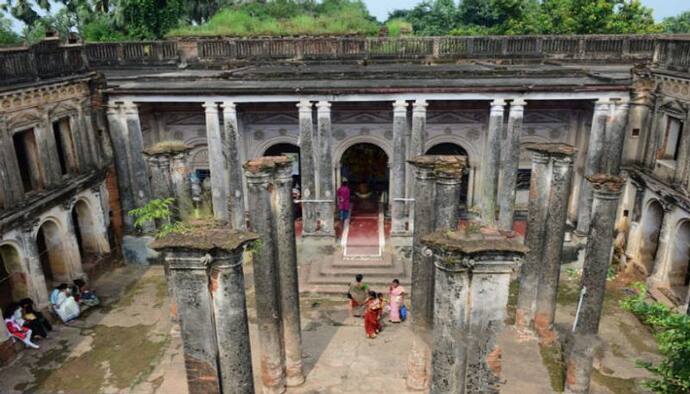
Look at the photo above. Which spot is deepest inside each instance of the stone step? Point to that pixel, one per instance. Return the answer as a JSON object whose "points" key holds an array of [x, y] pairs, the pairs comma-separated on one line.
{"points": [[397, 268], [342, 289]]}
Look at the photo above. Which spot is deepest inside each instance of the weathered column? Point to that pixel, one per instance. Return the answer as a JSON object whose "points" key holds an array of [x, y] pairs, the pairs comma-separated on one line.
{"points": [[607, 190], [181, 184], [232, 153], [557, 211], [47, 152], [286, 257], [419, 361], [615, 137], [205, 273], [216, 163], [490, 163], [10, 178], [534, 239], [86, 124], [81, 145], [230, 314], [326, 182], [469, 267], [397, 171], [188, 272], [307, 168], [510, 164], [118, 136], [593, 164], [159, 167], [259, 175], [437, 194], [39, 292], [415, 148], [139, 177]]}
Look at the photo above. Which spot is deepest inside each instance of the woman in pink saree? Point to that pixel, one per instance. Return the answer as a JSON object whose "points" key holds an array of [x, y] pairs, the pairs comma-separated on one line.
{"points": [[396, 295]]}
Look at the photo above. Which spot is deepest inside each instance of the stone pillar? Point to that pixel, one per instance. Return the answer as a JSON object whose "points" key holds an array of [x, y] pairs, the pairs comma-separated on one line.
{"points": [[557, 211], [216, 163], [607, 190], [259, 175], [436, 190], [490, 163], [139, 176], [38, 288], [188, 272], [181, 184], [511, 163], [87, 126], [415, 148], [47, 152], [615, 137], [593, 164], [161, 183], [81, 145], [232, 153], [536, 226], [397, 171], [286, 257], [469, 266], [118, 136], [10, 178], [232, 329], [307, 168], [326, 182], [205, 271]]}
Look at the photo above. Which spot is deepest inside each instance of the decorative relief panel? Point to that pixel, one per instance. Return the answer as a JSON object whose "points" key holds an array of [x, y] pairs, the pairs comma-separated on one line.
{"points": [[462, 117], [185, 118], [555, 116], [349, 117], [675, 87], [271, 118], [43, 95]]}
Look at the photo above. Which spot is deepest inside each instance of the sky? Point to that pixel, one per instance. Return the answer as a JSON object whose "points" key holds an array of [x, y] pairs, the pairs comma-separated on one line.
{"points": [[381, 8], [662, 8]]}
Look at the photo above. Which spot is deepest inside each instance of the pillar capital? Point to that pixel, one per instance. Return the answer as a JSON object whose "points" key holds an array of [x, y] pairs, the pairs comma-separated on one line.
{"points": [[265, 166], [518, 103], [606, 186], [400, 107], [323, 107], [130, 108], [228, 106], [305, 107], [419, 107], [498, 103], [602, 104], [113, 109], [556, 150], [210, 107]]}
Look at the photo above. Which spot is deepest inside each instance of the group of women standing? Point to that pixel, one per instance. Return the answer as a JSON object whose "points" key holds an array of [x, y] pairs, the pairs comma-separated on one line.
{"points": [[373, 305]]}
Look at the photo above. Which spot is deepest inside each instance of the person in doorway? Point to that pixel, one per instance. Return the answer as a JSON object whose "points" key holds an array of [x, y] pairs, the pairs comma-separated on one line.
{"points": [[357, 293], [396, 295], [63, 303], [83, 295], [371, 316], [17, 329], [36, 321], [343, 195]]}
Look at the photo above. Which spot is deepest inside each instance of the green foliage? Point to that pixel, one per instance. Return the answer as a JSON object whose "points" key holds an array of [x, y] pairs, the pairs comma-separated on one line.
{"points": [[672, 333], [287, 18], [149, 19], [481, 17], [7, 36], [159, 211], [677, 24], [398, 27], [102, 29]]}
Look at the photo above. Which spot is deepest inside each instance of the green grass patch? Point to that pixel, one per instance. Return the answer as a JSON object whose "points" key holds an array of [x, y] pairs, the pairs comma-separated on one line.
{"points": [[552, 358], [513, 292], [614, 384]]}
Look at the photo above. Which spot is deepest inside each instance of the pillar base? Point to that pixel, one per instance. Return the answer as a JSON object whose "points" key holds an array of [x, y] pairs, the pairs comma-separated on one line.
{"points": [[547, 335]]}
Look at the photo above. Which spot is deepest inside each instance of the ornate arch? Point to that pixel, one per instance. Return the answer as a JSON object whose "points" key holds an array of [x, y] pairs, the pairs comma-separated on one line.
{"points": [[362, 139], [258, 150], [24, 119], [466, 144]]}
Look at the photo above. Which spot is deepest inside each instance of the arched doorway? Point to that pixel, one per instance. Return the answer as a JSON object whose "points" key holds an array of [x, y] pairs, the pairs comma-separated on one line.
{"points": [[85, 231], [649, 239], [52, 254], [13, 283], [292, 151], [449, 148], [679, 272], [365, 166]]}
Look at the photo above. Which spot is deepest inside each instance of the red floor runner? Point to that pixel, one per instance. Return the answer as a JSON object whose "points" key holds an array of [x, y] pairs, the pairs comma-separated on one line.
{"points": [[363, 236]]}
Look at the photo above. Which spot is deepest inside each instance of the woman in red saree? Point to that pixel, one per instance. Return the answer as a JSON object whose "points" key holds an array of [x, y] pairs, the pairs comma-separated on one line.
{"points": [[371, 316]]}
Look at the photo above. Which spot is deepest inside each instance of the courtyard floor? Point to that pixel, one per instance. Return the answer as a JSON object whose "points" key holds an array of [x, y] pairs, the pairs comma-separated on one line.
{"points": [[129, 345]]}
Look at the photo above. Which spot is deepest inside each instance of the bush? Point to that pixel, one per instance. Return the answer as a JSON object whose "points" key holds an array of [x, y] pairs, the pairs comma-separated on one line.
{"points": [[672, 333], [399, 27], [101, 29]]}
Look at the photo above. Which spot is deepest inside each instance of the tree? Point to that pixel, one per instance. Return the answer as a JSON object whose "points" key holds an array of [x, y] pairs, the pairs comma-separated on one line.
{"points": [[7, 36], [677, 24], [149, 19]]}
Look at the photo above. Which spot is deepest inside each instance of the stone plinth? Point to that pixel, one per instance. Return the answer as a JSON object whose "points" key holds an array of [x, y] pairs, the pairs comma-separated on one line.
{"points": [[472, 278], [169, 170], [205, 270]]}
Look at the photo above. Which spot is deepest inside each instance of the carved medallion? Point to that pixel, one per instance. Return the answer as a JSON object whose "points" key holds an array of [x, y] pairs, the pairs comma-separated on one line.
{"points": [[259, 135], [473, 134], [339, 134], [388, 134]]}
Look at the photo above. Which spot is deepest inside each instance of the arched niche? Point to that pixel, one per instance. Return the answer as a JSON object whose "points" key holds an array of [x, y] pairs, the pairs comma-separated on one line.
{"points": [[652, 219], [13, 279]]}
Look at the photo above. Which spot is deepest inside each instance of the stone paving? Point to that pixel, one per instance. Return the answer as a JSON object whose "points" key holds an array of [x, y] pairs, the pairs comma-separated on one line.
{"points": [[129, 345]]}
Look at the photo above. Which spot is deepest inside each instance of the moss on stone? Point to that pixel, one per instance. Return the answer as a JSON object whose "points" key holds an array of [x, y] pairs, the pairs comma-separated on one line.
{"points": [[167, 147], [614, 384], [203, 236], [552, 358]]}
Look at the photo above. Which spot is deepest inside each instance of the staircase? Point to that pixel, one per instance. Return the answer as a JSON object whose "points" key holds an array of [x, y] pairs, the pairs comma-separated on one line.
{"points": [[333, 274]]}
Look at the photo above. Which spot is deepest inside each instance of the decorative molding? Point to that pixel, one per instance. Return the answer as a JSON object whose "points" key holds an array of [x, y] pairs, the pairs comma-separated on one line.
{"points": [[674, 87], [546, 117], [185, 119], [362, 117], [271, 118], [44, 95], [454, 117]]}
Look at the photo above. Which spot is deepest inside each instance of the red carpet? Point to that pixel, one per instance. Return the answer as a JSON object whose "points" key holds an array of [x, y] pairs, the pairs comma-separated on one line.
{"points": [[363, 233]]}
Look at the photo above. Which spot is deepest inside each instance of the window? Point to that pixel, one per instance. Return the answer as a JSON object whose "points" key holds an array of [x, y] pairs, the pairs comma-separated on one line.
{"points": [[635, 132], [28, 161], [523, 179], [65, 146], [671, 143]]}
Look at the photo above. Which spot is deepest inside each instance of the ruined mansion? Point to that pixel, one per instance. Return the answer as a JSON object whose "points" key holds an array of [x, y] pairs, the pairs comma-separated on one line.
{"points": [[90, 131]]}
